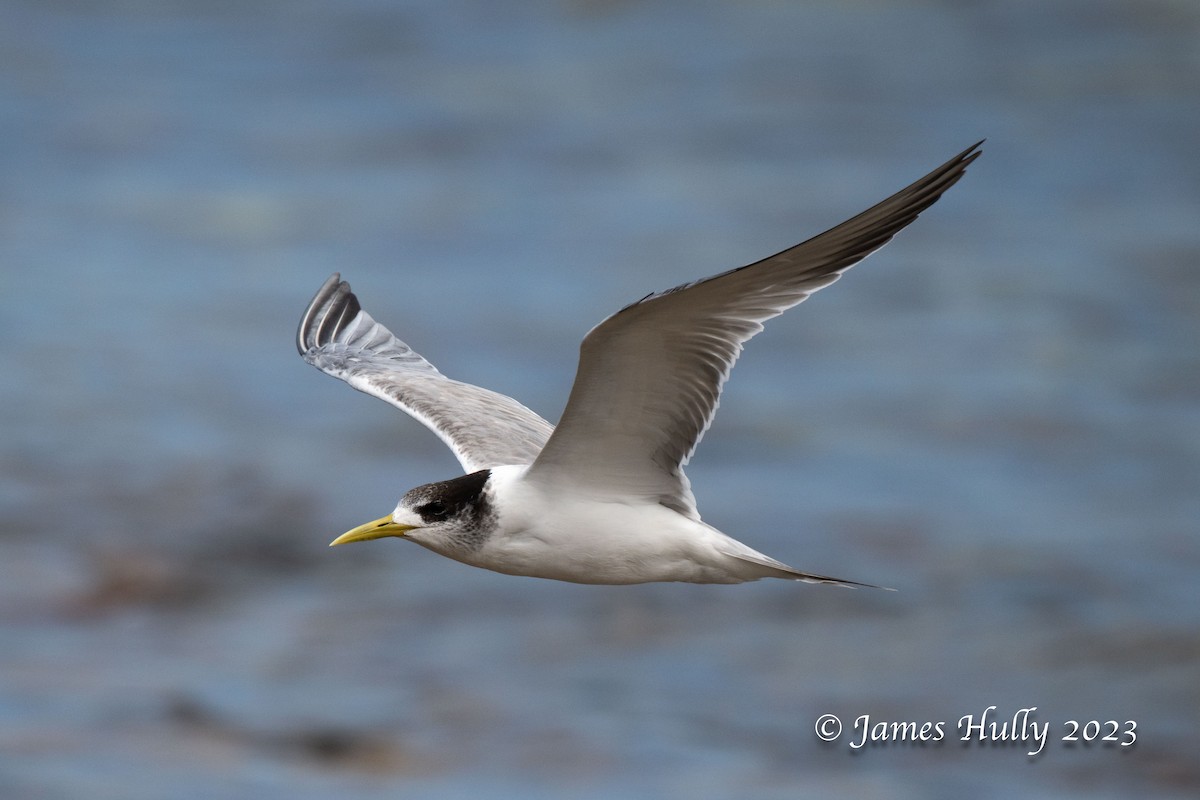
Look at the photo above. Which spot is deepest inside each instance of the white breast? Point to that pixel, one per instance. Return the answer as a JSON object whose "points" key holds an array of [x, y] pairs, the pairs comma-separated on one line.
{"points": [[573, 537]]}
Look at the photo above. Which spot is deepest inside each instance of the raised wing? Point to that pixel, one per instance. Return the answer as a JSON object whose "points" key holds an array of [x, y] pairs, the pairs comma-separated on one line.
{"points": [[650, 376], [483, 428]]}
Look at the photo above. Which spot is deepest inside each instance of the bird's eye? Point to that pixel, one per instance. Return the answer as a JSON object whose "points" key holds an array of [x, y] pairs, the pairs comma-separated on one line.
{"points": [[432, 510]]}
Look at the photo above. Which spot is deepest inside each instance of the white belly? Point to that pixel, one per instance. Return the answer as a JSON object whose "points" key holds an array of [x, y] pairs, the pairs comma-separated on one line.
{"points": [[585, 540]]}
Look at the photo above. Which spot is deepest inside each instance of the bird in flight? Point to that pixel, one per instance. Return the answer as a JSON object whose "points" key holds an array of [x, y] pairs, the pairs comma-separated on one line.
{"points": [[602, 497]]}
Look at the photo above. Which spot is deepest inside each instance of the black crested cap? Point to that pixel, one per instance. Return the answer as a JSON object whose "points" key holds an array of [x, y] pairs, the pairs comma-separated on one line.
{"points": [[462, 496]]}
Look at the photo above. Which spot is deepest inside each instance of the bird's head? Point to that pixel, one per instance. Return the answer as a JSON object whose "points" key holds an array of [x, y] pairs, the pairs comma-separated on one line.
{"points": [[442, 516]]}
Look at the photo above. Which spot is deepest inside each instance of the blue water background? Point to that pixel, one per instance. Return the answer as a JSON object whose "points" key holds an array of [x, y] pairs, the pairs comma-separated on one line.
{"points": [[999, 414]]}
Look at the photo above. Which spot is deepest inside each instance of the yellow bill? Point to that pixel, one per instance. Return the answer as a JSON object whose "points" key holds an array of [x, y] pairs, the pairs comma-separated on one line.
{"points": [[377, 529]]}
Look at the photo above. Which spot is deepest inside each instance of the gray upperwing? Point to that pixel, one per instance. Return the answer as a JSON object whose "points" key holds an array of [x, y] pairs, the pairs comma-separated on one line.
{"points": [[482, 427]]}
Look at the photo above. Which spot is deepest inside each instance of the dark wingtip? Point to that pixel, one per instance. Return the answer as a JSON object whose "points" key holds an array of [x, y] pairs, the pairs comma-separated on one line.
{"points": [[971, 153], [957, 166], [333, 302]]}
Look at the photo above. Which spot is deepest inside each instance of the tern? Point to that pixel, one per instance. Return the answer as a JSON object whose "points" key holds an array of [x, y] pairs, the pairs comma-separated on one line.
{"points": [[601, 498]]}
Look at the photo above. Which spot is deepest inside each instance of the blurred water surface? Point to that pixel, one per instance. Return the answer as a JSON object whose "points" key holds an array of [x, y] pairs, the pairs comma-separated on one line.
{"points": [[998, 414]]}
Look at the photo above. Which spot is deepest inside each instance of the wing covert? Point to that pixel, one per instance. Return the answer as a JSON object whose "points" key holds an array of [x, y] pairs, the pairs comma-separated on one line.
{"points": [[650, 376], [482, 427]]}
